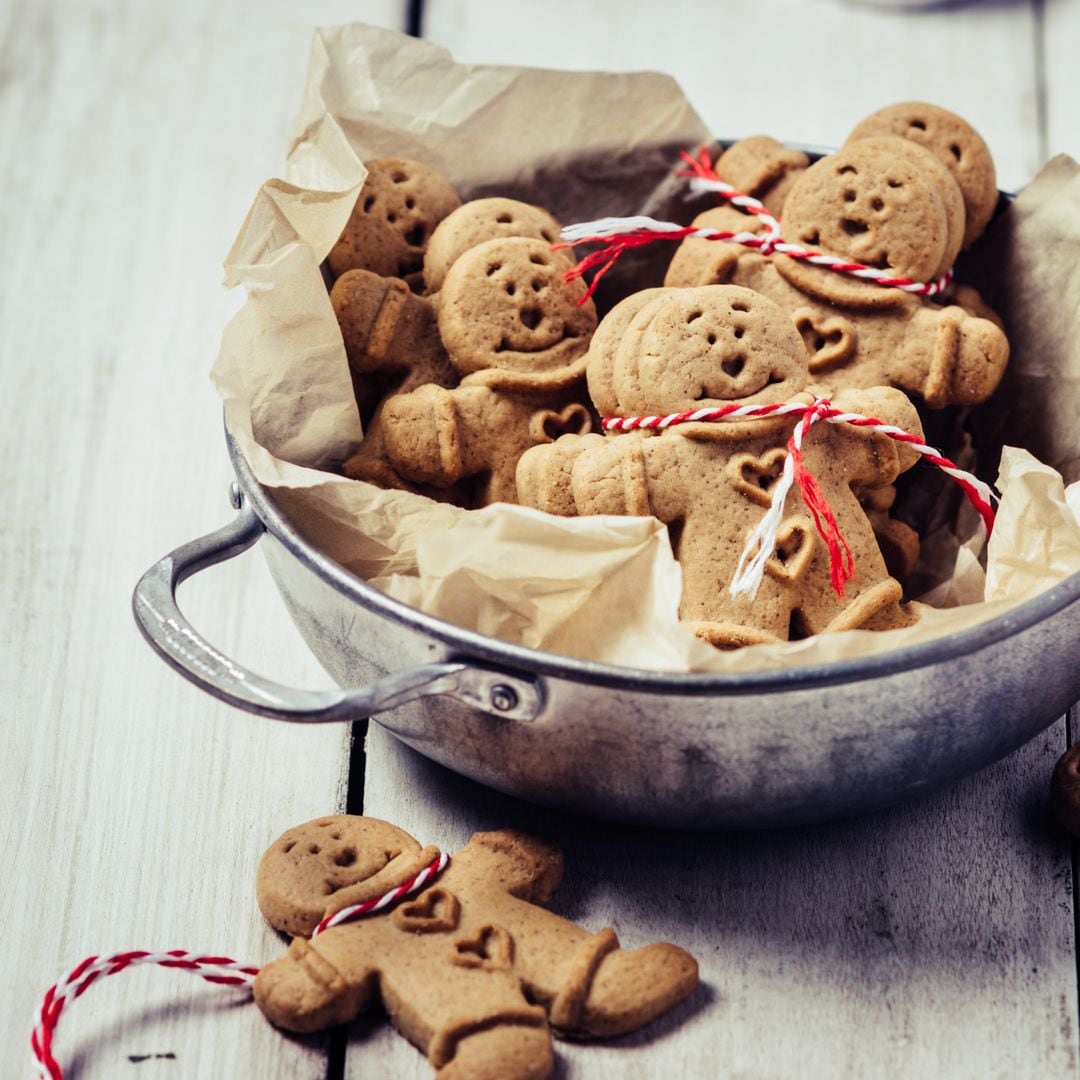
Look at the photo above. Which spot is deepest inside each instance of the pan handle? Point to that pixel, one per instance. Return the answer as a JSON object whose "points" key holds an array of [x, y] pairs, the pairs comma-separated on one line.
{"points": [[183, 648]]}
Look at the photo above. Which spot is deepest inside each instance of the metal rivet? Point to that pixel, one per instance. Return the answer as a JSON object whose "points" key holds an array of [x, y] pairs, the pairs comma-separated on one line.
{"points": [[236, 495], [503, 697]]}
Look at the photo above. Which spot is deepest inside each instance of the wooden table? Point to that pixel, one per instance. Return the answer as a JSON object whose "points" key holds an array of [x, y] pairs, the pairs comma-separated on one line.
{"points": [[933, 940]]}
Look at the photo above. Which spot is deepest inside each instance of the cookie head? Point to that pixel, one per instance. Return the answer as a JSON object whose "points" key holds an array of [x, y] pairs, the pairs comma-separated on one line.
{"points": [[478, 221], [505, 307], [395, 215], [325, 863], [710, 346], [954, 142], [872, 206]]}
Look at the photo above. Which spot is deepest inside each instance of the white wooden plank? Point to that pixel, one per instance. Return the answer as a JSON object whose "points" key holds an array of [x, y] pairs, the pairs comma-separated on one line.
{"points": [[134, 808], [934, 939], [799, 71], [1060, 40]]}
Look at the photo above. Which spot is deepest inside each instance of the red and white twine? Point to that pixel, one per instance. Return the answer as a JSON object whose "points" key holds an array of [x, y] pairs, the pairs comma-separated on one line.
{"points": [[761, 544], [214, 969], [621, 234]]}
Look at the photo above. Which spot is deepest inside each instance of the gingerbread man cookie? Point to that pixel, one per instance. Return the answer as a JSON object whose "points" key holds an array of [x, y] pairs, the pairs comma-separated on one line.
{"points": [[711, 483], [478, 221], [472, 969], [868, 203], [762, 167], [395, 214], [954, 142], [515, 332]]}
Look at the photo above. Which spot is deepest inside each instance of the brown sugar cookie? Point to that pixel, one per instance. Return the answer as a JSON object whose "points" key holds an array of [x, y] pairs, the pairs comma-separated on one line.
{"points": [[471, 969], [762, 167], [515, 331], [954, 142], [393, 347], [874, 204], [942, 355], [480, 220], [711, 483], [395, 214]]}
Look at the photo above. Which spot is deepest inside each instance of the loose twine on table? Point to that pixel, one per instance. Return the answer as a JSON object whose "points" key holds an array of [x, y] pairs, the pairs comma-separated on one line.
{"points": [[619, 235], [219, 970]]}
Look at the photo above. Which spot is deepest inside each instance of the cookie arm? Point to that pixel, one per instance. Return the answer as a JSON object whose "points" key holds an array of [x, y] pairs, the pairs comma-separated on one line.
{"points": [[875, 460], [950, 357], [545, 472], [520, 864], [624, 476], [311, 989]]}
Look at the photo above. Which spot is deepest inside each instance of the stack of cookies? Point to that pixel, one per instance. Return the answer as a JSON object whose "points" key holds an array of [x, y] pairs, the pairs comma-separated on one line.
{"points": [[482, 373]]}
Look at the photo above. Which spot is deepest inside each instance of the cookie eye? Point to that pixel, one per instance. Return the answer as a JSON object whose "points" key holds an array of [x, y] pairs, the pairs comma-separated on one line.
{"points": [[547, 236], [918, 125], [847, 170], [894, 183], [538, 260], [410, 203], [346, 857], [692, 316], [733, 367], [399, 177], [369, 202], [493, 268], [289, 846], [740, 305], [504, 219], [955, 151], [711, 339]]}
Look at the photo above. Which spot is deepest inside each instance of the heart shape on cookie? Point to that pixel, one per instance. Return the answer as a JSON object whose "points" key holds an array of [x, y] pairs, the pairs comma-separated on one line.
{"points": [[795, 548], [828, 340], [755, 476], [435, 911], [546, 425], [491, 948]]}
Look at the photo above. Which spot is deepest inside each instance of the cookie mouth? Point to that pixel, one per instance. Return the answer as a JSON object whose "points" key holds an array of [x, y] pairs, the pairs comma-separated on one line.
{"points": [[735, 392], [536, 343]]}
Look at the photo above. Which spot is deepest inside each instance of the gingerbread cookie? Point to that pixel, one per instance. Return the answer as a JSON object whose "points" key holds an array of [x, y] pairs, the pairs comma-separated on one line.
{"points": [[481, 220], [954, 142], [513, 328], [711, 482], [471, 969], [396, 212], [393, 347], [857, 335], [762, 167]]}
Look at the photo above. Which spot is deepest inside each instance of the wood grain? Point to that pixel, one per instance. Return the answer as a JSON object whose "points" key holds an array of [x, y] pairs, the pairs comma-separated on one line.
{"points": [[135, 807]]}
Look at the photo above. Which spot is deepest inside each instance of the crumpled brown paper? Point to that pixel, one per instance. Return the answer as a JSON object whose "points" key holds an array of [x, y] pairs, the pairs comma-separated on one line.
{"points": [[585, 145]]}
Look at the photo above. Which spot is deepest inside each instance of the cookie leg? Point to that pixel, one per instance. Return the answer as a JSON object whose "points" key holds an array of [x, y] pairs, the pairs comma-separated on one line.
{"points": [[505, 1052], [611, 991]]}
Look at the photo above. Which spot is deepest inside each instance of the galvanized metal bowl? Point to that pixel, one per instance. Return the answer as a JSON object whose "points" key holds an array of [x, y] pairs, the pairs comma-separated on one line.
{"points": [[752, 750]]}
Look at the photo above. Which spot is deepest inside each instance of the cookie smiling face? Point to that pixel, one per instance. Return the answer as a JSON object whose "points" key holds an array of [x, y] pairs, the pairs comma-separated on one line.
{"points": [[707, 346], [310, 866], [505, 306], [874, 207]]}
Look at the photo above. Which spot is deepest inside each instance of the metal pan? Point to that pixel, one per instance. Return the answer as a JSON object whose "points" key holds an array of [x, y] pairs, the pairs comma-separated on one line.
{"points": [[695, 751]]}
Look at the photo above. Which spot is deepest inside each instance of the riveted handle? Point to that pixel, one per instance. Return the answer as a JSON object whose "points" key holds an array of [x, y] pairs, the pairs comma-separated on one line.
{"points": [[185, 649]]}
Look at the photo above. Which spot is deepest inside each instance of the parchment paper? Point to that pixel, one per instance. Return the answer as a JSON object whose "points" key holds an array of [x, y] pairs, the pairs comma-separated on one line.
{"points": [[585, 145]]}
